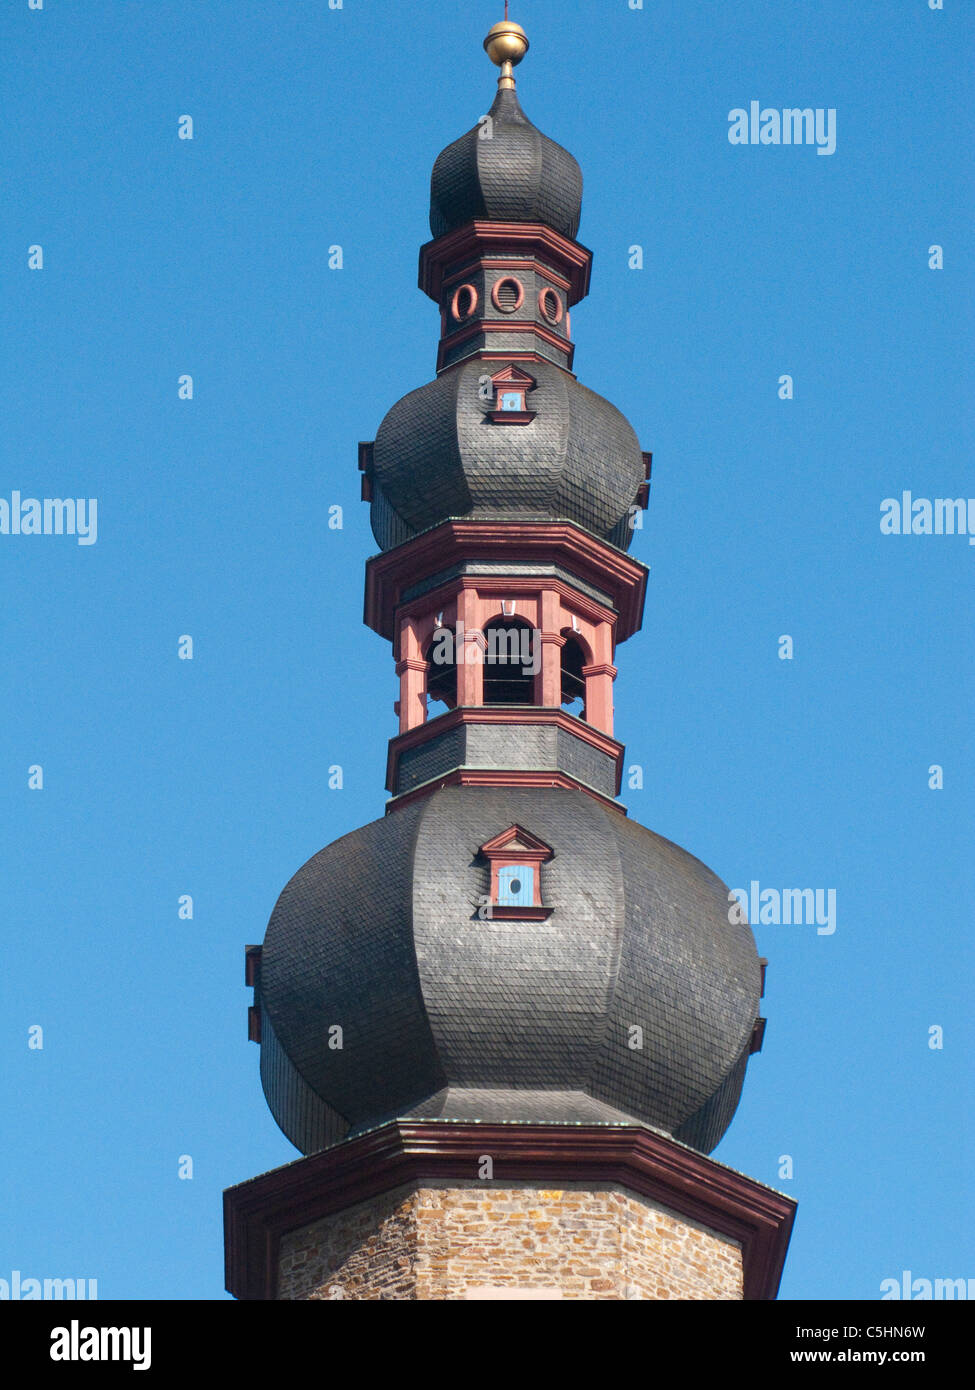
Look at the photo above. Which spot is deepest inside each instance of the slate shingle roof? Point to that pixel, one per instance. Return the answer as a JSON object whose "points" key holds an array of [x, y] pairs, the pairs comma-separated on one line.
{"points": [[443, 1012], [438, 455], [518, 175]]}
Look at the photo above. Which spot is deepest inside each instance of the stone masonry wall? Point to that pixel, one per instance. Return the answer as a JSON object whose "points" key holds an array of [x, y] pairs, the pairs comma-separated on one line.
{"points": [[481, 1240]]}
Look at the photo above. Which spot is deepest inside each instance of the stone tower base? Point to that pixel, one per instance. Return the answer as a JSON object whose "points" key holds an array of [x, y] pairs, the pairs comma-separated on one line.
{"points": [[484, 1240], [440, 1210]]}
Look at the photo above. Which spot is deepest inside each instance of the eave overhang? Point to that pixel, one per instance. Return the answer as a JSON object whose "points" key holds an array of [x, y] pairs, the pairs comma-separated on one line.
{"points": [[481, 238], [652, 1165], [595, 562]]}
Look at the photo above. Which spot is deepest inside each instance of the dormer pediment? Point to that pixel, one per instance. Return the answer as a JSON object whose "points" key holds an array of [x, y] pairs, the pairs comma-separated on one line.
{"points": [[516, 840], [513, 376]]}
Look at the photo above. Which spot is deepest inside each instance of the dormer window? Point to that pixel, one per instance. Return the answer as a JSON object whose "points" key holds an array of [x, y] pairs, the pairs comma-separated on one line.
{"points": [[510, 392], [516, 858], [516, 885]]}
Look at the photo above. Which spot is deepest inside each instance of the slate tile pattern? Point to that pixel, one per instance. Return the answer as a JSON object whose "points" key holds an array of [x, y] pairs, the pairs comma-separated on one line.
{"points": [[446, 1012], [519, 175], [438, 455], [504, 746]]}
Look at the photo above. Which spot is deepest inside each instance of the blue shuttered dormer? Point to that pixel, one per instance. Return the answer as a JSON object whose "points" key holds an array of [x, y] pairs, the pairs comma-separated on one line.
{"points": [[516, 885]]}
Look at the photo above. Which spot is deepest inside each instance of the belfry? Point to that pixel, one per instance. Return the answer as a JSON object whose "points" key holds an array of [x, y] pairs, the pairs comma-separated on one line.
{"points": [[505, 1023]]}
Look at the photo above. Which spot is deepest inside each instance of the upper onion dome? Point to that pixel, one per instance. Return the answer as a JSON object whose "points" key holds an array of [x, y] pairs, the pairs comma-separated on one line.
{"points": [[438, 456], [505, 172]]}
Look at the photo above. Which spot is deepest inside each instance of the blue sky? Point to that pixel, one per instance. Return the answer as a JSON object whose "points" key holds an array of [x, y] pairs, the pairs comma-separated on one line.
{"points": [[315, 127]]}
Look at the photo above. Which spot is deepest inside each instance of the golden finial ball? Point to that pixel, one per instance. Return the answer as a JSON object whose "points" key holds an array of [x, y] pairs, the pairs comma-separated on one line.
{"points": [[506, 42]]}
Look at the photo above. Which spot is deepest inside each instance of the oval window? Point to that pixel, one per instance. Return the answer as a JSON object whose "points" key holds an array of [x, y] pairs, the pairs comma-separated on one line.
{"points": [[464, 302], [508, 295], [551, 306]]}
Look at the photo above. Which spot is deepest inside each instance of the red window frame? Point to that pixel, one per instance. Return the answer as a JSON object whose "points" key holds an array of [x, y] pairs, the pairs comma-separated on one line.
{"points": [[517, 847]]}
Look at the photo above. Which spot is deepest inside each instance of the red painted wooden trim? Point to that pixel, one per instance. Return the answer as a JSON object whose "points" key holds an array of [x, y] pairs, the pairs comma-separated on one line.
{"points": [[252, 961], [594, 561], [510, 714], [583, 605], [491, 777], [511, 417], [539, 330], [455, 306], [479, 237], [532, 853], [485, 354], [514, 378], [490, 587], [409, 1152], [509, 355], [534, 848], [507, 263], [542, 295], [508, 280], [505, 714], [534, 913]]}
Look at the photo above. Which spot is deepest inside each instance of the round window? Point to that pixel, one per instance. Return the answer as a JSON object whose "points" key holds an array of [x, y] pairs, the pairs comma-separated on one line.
{"points": [[464, 302], [551, 306], [515, 886], [508, 295]]}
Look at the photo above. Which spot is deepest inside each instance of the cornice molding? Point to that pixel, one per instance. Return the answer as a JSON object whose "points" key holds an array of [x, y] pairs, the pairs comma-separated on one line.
{"points": [[408, 1153], [481, 238], [596, 562], [497, 777]]}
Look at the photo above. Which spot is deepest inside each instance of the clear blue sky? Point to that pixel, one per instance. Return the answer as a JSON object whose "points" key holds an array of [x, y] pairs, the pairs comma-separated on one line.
{"points": [[163, 777]]}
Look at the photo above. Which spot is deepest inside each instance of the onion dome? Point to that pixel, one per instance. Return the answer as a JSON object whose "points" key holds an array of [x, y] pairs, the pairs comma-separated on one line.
{"points": [[388, 992], [505, 169], [439, 455]]}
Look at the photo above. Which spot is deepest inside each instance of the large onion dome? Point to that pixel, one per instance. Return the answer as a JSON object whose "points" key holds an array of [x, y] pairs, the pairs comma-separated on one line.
{"points": [[438, 455], [506, 172], [442, 1012]]}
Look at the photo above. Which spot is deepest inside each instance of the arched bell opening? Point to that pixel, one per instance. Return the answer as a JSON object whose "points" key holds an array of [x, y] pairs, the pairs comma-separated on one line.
{"points": [[512, 660], [573, 658], [441, 658]]}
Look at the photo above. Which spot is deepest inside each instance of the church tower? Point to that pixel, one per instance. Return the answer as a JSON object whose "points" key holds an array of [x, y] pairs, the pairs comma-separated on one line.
{"points": [[505, 1023]]}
